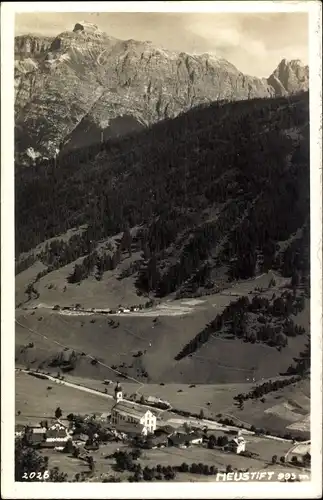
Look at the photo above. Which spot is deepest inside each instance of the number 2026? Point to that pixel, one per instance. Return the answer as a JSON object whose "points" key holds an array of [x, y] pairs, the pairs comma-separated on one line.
{"points": [[40, 476]]}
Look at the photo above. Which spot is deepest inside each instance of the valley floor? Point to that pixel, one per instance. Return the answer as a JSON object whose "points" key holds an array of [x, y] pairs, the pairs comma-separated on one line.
{"points": [[76, 395]]}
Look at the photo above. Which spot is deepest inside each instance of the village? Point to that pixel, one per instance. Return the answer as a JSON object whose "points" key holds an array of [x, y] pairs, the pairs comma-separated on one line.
{"points": [[138, 439]]}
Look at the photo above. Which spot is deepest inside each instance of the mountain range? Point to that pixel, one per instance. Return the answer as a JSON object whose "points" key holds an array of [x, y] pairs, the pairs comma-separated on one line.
{"points": [[84, 86]]}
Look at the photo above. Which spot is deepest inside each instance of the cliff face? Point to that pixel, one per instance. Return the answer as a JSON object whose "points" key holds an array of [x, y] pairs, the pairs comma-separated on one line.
{"points": [[290, 77], [31, 45], [71, 88]]}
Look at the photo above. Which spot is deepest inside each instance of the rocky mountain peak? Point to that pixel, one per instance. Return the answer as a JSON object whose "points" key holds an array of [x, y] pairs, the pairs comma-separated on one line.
{"points": [[85, 27], [31, 45], [290, 77], [99, 83]]}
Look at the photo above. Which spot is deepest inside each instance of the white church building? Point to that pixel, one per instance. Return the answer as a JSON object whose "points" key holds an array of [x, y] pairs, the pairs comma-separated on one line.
{"points": [[130, 417]]}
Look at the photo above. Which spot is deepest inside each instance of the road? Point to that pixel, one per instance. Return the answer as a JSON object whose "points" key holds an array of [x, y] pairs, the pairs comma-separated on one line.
{"points": [[68, 384], [85, 389]]}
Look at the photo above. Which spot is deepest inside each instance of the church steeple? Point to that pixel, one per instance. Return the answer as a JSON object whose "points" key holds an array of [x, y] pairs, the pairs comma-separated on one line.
{"points": [[118, 393]]}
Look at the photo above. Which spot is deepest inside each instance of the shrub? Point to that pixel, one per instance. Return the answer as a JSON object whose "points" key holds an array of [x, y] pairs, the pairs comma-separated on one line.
{"points": [[211, 442], [184, 467], [136, 453], [58, 412]]}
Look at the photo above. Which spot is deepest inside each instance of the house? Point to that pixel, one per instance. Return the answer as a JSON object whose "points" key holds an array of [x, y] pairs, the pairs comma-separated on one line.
{"points": [[195, 438], [56, 436], [157, 401], [35, 436], [134, 415], [91, 446], [167, 430], [237, 445], [102, 417], [159, 441], [19, 430], [80, 439], [130, 429], [182, 440]]}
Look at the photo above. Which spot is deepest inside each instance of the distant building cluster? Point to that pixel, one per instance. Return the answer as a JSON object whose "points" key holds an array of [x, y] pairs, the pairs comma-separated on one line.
{"points": [[127, 416], [53, 436], [127, 421]]}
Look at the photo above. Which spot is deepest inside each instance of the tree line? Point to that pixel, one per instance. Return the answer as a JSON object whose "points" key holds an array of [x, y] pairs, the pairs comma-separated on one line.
{"points": [[270, 386], [234, 320], [302, 363]]}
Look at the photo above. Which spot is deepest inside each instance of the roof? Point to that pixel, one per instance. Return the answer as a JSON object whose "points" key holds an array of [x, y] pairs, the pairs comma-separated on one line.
{"points": [[19, 427], [36, 430], [56, 433], [153, 399], [129, 428], [58, 424], [166, 430], [183, 438], [35, 438], [194, 435], [49, 444], [102, 415], [162, 438], [129, 408], [238, 440], [91, 446], [80, 437]]}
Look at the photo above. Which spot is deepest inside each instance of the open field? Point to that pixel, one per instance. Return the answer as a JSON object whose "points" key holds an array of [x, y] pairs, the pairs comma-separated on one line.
{"points": [[254, 412], [36, 402], [181, 396], [24, 278], [104, 466], [302, 425], [222, 368], [285, 410], [110, 292], [220, 360]]}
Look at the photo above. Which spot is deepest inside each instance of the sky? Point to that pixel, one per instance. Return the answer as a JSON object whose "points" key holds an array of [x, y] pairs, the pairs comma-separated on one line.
{"points": [[255, 43]]}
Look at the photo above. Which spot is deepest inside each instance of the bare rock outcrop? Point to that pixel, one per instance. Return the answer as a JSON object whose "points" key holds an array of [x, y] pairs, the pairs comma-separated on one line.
{"points": [[72, 88]]}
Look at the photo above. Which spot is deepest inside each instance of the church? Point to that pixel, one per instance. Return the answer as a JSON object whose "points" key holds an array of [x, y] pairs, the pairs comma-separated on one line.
{"points": [[130, 417]]}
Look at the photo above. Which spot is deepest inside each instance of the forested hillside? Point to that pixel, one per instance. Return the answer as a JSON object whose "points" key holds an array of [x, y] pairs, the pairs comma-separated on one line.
{"points": [[222, 190]]}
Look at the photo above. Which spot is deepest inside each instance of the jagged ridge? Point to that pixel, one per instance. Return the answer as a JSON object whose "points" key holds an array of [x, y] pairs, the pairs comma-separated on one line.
{"points": [[71, 88]]}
